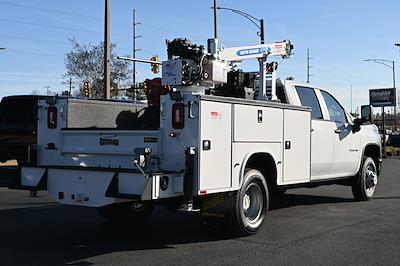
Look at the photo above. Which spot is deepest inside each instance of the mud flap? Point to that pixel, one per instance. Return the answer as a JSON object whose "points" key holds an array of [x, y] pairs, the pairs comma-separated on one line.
{"points": [[188, 181], [218, 205]]}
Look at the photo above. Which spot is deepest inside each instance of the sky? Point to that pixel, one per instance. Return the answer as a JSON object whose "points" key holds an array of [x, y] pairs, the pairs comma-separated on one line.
{"points": [[340, 35]]}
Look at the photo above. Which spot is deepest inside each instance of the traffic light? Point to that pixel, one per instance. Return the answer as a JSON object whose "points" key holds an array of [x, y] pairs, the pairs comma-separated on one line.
{"points": [[86, 89], [155, 67], [145, 86]]}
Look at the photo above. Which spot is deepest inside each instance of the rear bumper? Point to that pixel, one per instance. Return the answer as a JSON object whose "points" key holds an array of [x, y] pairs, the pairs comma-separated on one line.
{"points": [[96, 187]]}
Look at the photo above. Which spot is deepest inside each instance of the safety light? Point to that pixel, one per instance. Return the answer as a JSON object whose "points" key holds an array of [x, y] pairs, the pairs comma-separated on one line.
{"points": [[178, 115], [52, 117]]}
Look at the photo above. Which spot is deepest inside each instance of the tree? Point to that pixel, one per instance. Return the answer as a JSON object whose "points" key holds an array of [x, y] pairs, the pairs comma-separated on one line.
{"points": [[86, 63]]}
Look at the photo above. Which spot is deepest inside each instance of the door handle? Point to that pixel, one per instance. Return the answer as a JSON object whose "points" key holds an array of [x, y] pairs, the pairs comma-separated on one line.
{"points": [[338, 131]]}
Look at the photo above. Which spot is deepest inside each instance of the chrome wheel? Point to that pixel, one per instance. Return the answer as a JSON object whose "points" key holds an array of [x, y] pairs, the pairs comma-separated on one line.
{"points": [[371, 180], [365, 181], [253, 202], [250, 204]]}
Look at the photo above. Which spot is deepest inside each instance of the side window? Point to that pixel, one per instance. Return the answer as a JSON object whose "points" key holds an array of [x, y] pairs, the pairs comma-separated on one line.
{"points": [[308, 98], [336, 111]]}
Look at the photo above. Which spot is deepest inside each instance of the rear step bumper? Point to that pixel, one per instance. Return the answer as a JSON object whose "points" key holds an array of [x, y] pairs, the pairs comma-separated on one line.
{"points": [[96, 187]]}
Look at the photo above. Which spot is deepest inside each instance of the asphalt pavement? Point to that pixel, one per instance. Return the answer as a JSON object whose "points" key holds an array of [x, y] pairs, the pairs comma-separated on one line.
{"points": [[319, 226]]}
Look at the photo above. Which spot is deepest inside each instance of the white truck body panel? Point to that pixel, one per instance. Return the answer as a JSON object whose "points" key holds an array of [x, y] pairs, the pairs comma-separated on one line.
{"points": [[241, 153], [258, 128], [248, 127], [215, 164], [297, 147], [79, 187]]}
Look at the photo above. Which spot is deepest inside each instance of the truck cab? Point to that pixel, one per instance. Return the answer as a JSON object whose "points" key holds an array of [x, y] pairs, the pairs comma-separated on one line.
{"points": [[336, 146]]}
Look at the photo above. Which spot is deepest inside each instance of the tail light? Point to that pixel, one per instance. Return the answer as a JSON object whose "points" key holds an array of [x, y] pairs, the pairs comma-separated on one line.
{"points": [[178, 115], [52, 117]]}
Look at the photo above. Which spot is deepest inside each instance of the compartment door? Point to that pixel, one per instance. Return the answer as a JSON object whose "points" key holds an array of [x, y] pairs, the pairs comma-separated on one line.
{"points": [[215, 159], [296, 146]]}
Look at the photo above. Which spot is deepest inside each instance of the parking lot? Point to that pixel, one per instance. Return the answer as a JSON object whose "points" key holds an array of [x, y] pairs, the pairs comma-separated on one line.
{"points": [[308, 226]]}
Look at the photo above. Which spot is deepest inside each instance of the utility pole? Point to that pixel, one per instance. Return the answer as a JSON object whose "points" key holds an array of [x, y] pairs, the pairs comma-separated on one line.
{"points": [[134, 50], [395, 96], [395, 90], [351, 99], [70, 86], [308, 66], [107, 52]]}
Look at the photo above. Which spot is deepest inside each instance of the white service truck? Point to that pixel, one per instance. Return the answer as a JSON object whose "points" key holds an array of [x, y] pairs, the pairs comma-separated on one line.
{"points": [[221, 155]]}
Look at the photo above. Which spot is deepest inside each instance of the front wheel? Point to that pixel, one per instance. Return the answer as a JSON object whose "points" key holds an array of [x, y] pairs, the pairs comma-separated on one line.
{"points": [[126, 212], [365, 181], [250, 204]]}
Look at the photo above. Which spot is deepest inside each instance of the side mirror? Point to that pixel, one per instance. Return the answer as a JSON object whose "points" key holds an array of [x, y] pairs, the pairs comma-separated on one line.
{"points": [[366, 116], [366, 113]]}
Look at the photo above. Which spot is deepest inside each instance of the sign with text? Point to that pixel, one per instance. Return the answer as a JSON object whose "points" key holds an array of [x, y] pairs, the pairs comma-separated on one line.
{"points": [[382, 97]]}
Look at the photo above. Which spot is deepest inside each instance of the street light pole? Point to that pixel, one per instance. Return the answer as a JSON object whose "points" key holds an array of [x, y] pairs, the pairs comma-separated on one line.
{"points": [[107, 51], [395, 96], [259, 23], [215, 19], [398, 45], [391, 66]]}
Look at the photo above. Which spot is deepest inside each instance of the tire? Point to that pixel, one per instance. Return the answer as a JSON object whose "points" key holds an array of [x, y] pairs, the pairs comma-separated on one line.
{"points": [[365, 182], [126, 212], [250, 204]]}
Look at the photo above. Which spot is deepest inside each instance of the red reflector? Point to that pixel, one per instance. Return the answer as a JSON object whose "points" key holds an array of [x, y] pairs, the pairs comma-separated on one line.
{"points": [[52, 117], [203, 192], [178, 115]]}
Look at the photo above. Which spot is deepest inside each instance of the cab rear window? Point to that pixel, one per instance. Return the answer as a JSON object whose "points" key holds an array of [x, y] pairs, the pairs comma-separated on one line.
{"points": [[308, 98]]}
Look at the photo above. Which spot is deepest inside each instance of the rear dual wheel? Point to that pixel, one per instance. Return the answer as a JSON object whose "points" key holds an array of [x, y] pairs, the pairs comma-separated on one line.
{"points": [[250, 204]]}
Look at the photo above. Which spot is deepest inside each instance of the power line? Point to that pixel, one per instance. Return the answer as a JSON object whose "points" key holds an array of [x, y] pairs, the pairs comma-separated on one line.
{"points": [[33, 53], [58, 27], [91, 17], [49, 10], [32, 39], [46, 26], [193, 37], [348, 74], [196, 38], [26, 75]]}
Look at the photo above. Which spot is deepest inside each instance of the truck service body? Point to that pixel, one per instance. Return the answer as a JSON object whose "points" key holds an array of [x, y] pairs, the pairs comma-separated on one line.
{"points": [[238, 150]]}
